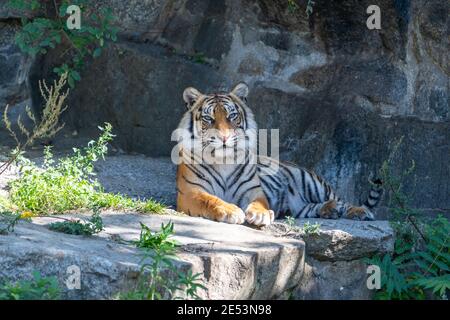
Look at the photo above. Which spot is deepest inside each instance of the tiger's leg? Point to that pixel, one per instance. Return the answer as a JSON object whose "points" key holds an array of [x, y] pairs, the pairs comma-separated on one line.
{"points": [[333, 209], [199, 203], [258, 212]]}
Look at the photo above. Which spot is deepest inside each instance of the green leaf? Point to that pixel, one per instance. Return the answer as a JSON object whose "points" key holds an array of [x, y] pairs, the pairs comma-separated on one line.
{"points": [[71, 82], [75, 75]]}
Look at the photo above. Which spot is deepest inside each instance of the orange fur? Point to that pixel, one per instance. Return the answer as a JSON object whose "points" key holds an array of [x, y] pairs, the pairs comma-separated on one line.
{"points": [[198, 203], [328, 209], [355, 212]]}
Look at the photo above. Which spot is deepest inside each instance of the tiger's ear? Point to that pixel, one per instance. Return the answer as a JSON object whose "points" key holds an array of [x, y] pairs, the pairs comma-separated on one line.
{"points": [[241, 91], [190, 96]]}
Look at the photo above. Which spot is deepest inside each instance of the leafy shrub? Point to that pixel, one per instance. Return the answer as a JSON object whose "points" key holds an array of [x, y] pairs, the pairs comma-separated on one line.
{"points": [[76, 227], [159, 278], [290, 221], [68, 183], [307, 229], [40, 34], [419, 267], [39, 288], [157, 240], [311, 228]]}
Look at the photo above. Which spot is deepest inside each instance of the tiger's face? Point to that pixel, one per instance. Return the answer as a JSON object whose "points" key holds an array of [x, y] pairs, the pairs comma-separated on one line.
{"points": [[220, 123]]}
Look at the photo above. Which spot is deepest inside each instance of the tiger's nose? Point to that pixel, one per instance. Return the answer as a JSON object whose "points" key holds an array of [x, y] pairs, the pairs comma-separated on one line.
{"points": [[225, 137]]}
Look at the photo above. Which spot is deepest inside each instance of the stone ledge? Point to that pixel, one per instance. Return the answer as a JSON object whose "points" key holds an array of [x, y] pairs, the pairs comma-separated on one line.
{"points": [[334, 266], [341, 240], [236, 262]]}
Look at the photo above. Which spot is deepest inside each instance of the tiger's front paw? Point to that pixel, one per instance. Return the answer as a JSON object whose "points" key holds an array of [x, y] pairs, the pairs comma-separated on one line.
{"points": [[259, 217], [229, 213]]}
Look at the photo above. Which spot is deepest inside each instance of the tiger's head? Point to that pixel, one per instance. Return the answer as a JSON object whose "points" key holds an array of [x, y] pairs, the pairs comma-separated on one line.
{"points": [[220, 125]]}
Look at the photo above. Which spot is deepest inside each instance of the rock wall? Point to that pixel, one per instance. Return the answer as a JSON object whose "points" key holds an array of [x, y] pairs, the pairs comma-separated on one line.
{"points": [[340, 94]]}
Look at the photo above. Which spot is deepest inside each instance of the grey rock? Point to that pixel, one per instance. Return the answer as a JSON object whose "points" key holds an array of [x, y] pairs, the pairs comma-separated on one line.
{"points": [[337, 280], [334, 263], [15, 67], [343, 239], [235, 262]]}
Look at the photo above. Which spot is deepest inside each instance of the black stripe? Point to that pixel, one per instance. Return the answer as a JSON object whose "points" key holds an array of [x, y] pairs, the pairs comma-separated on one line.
{"points": [[316, 189], [291, 191], [304, 214], [236, 177], [213, 176], [239, 169], [303, 184], [309, 193], [245, 192], [262, 164], [191, 125], [287, 169], [198, 173], [242, 183], [281, 202], [200, 176], [327, 191], [193, 183]]}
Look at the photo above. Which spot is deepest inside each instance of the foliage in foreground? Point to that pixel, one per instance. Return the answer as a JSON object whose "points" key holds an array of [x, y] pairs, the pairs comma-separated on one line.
{"points": [[68, 183], [39, 288], [419, 267], [159, 277]]}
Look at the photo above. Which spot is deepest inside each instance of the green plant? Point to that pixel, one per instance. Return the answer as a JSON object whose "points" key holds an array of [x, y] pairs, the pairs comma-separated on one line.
{"points": [[419, 267], [39, 34], [159, 277], [311, 228], [120, 202], [307, 228], [9, 218], [293, 6], [199, 57], [39, 288], [47, 125], [68, 183], [290, 221], [157, 240], [77, 227]]}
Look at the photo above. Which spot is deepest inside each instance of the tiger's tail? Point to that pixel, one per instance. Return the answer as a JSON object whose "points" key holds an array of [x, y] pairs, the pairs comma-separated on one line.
{"points": [[375, 194]]}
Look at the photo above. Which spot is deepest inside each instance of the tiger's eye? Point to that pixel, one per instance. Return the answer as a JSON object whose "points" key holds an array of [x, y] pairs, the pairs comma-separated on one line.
{"points": [[207, 118], [233, 115]]}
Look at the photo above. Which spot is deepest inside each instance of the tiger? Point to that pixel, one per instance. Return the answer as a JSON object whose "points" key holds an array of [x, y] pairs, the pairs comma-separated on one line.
{"points": [[257, 189]]}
